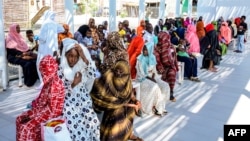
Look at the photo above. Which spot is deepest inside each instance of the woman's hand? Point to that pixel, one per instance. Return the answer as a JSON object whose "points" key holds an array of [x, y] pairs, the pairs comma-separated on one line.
{"points": [[77, 79], [82, 55], [138, 104]]}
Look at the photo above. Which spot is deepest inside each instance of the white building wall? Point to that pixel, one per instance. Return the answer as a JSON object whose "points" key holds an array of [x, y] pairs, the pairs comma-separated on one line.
{"points": [[213, 9]]}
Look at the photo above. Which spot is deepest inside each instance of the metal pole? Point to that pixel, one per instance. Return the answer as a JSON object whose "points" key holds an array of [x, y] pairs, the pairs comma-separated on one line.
{"points": [[162, 9], [69, 13], [112, 15], [141, 10], [178, 6], [190, 8], [3, 60]]}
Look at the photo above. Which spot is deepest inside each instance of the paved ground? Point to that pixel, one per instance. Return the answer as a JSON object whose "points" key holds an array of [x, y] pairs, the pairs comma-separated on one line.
{"points": [[199, 114]]}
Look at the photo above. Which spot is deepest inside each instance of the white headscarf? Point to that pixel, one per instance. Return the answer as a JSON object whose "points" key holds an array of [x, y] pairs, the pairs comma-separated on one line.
{"points": [[80, 66], [49, 15]]}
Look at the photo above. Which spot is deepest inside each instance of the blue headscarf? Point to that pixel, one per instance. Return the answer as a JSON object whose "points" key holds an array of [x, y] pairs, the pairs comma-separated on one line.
{"points": [[149, 60]]}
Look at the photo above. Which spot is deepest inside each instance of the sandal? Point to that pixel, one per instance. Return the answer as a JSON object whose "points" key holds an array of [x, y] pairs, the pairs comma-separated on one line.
{"points": [[156, 112], [196, 79], [172, 99], [135, 138]]}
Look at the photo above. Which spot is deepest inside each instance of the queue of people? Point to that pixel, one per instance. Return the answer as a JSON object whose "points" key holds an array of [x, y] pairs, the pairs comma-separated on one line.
{"points": [[90, 72]]}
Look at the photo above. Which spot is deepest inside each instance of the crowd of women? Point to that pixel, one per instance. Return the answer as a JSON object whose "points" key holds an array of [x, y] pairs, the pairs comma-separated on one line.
{"points": [[91, 71]]}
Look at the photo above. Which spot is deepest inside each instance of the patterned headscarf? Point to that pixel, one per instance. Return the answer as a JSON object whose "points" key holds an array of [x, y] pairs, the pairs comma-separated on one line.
{"points": [[48, 68], [115, 51], [105, 92], [15, 41], [165, 50], [53, 88]]}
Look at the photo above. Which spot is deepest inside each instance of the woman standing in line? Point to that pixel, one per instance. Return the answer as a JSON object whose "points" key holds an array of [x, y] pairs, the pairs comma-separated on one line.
{"points": [[77, 70]]}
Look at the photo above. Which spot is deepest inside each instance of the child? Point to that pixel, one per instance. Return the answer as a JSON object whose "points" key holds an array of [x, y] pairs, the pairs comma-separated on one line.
{"points": [[89, 43], [32, 41], [181, 50]]}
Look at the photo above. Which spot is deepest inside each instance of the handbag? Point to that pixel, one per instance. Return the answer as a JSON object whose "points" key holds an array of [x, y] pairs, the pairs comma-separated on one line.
{"points": [[55, 130]]}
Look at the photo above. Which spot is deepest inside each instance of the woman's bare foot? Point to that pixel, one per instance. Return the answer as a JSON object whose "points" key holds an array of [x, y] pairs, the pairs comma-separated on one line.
{"points": [[215, 68], [212, 70], [135, 138]]}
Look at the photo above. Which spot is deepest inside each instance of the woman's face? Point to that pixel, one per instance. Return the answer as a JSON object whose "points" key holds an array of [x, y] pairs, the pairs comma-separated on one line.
{"points": [[72, 57], [145, 51], [18, 29]]}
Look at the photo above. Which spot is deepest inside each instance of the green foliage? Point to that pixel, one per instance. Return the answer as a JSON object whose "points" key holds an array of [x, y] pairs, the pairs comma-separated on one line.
{"points": [[88, 6], [123, 14]]}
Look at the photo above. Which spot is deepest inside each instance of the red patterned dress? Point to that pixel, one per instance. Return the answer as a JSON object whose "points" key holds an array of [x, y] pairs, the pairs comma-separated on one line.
{"points": [[48, 105], [166, 59]]}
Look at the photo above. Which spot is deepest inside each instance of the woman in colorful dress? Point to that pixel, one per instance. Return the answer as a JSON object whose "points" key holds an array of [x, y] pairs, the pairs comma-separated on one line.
{"points": [[77, 70], [166, 59], [48, 105], [112, 93], [154, 91]]}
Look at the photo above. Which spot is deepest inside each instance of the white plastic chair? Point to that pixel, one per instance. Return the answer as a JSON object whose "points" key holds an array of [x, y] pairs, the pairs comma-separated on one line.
{"points": [[136, 86], [180, 75], [20, 73]]}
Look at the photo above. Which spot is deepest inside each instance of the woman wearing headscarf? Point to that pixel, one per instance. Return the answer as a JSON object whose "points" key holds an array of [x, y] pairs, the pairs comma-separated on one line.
{"points": [[210, 45], [65, 34], [114, 51], [193, 40], [18, 53], [166, 61], [134, 50], [200, 28], [77, 71], [225, 34], [82, 35], [48, 105], [187, 22], [225, 37], [112, 93], [48, 39], [158, 27], [154, 91], [141, 28]]}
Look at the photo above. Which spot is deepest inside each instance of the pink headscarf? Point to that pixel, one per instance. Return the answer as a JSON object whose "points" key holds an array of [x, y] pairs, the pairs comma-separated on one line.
{"points": [[193, 39], [187, 22], [15, 41], [225, 32]]}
